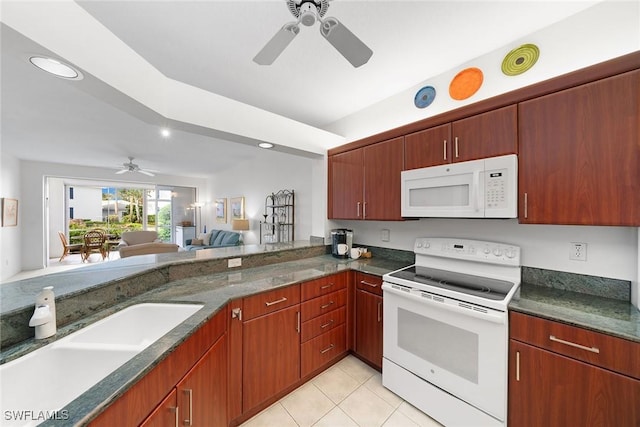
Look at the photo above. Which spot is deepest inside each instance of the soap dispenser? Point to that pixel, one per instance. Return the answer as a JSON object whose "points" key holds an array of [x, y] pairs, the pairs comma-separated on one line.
{"points": [[44, 315]]}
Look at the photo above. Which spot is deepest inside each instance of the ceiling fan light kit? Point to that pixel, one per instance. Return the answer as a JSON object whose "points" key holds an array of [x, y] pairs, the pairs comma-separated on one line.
{"points": [[308, 12]]}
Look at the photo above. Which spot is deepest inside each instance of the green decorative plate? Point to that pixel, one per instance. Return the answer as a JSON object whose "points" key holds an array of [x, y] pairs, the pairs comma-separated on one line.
{"points": [[520, 59]]}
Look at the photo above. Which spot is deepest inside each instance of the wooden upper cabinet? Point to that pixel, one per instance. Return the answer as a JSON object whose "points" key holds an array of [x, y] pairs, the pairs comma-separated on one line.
{"points": [[429, 147], [579, 157], [365, 183], [346, 186], [383, 163], [494, 133]]}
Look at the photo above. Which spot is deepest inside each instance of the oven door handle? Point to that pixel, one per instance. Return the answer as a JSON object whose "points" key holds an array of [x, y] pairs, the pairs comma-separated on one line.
{"points": [[415, 294]]}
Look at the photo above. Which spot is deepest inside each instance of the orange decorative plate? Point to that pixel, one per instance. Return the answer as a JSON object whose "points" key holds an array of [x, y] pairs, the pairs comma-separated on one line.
{"points": [[466, 83]]}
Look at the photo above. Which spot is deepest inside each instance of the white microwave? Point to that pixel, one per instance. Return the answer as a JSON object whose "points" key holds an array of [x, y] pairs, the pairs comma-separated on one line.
{"points": [[484, 188]]}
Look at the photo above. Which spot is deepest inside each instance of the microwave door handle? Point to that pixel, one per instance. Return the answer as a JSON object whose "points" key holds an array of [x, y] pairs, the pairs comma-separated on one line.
{"points": [[475, 190]]}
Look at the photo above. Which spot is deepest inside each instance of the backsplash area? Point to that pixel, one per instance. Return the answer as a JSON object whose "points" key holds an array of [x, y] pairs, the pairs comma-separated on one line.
{"points": [[592, 285]]}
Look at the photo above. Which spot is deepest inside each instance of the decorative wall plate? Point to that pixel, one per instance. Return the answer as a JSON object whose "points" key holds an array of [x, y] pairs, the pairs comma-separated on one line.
{"points": [[466, 83], [520, 59], [425, 96]]}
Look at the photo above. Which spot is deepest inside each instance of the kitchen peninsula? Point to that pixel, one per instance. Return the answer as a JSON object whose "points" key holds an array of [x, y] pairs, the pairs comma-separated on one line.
{"points": [[186, 277]]}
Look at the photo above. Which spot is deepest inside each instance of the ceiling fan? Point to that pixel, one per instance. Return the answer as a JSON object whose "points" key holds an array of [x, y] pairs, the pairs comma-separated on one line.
{"points": [[132, 167], [308, 12]]}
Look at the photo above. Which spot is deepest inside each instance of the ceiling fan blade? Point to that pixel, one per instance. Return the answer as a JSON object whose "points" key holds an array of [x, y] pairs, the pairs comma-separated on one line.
{"points": [[146, 172], [121, 171], [345, 42], [277, 44]]}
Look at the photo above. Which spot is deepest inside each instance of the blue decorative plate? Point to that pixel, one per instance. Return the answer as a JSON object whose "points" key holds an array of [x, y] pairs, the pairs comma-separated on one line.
{"points": [[425, 97]]}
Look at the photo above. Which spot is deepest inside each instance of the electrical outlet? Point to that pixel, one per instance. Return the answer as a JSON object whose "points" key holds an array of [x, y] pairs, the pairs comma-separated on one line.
{"points": [[385, 235], [578, 251], [234, 262]]}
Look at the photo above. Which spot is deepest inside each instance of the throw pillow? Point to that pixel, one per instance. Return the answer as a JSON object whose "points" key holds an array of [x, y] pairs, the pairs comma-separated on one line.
{"points": [[196, 242]]}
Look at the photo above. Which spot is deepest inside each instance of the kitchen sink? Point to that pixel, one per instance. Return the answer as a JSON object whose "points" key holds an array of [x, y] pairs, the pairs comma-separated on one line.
{"points": [[37, 384]]}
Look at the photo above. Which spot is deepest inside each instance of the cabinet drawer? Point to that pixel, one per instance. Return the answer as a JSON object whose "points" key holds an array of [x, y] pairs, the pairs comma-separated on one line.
{"points": [[323, 286], [369, 283], [599, 349], [323, 304], [323, 349], [321, 324], [271, 301]]}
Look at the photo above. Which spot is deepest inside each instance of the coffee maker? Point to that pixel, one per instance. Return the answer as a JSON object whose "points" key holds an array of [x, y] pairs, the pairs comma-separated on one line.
{"points": [[341, 242]]}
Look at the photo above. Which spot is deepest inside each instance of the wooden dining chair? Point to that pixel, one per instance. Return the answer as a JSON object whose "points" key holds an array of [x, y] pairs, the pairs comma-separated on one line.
{"points": [[94, 241], [68, 248]]}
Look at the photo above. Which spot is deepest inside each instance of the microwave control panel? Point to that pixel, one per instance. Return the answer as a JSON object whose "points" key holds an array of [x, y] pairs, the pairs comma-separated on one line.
{"points": [[496, 190]]}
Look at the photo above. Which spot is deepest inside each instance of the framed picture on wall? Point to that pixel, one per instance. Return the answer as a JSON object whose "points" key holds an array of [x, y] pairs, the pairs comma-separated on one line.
{"points": [[221, 211], [9, 212], [237, 208]]}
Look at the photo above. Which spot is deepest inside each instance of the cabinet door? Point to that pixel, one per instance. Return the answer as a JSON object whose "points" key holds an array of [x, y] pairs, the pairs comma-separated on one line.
{"points": [[494, 133], [369, 327], [429, 147], [546, 389], [580, 155], [166, 414], [346, 185], [270, 355], [202, 394], [383, 163]]}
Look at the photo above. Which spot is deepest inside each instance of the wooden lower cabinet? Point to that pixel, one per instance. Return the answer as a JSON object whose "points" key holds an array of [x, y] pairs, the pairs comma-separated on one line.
{"points": [[166, 414], [562, 375], [551, 390], [368, 318], [270, 355], [202, 394], [321, 350], [201, 359], [200, 399], [369, 327]]}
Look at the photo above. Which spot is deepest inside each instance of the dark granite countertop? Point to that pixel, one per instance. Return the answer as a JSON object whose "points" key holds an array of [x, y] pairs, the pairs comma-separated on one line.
{"points": [[214, 291], [607, 315]]}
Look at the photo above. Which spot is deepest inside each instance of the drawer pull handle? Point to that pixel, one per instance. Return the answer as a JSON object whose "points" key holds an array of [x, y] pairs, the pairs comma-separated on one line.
{"points": [[329, 304], [517, 366], [330, 322], [327, 349], [270, 303], [572, 344], [373, 285], [326, 286]]}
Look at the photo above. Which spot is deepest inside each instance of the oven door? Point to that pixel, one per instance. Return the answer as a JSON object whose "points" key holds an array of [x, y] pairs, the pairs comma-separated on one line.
{"points": [[458, 349]]}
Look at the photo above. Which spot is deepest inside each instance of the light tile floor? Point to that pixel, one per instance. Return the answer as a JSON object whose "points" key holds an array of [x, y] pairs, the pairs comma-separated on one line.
{"points": [[349, 394]]}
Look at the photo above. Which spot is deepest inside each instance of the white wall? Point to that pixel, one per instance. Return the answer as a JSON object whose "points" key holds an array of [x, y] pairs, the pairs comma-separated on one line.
{"points": [[10, 241], [607, 30], [256, 179], [32, 240]]}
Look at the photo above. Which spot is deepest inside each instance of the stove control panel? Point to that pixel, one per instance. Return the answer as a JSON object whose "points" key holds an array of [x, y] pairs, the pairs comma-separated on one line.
{"points": [[471, 250]]}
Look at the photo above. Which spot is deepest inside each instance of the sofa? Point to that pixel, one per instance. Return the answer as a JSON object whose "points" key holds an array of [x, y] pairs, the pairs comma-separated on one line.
{"points": [[213, 239], [143, 242]]}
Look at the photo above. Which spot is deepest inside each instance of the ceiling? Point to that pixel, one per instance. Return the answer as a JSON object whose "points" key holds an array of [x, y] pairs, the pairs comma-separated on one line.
{"points": [[200, 53]]}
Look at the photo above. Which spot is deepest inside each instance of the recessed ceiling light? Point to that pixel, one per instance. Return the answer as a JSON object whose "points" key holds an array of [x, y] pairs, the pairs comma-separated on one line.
{"points": [[56, 68], [165, 132], [265, 145]]}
